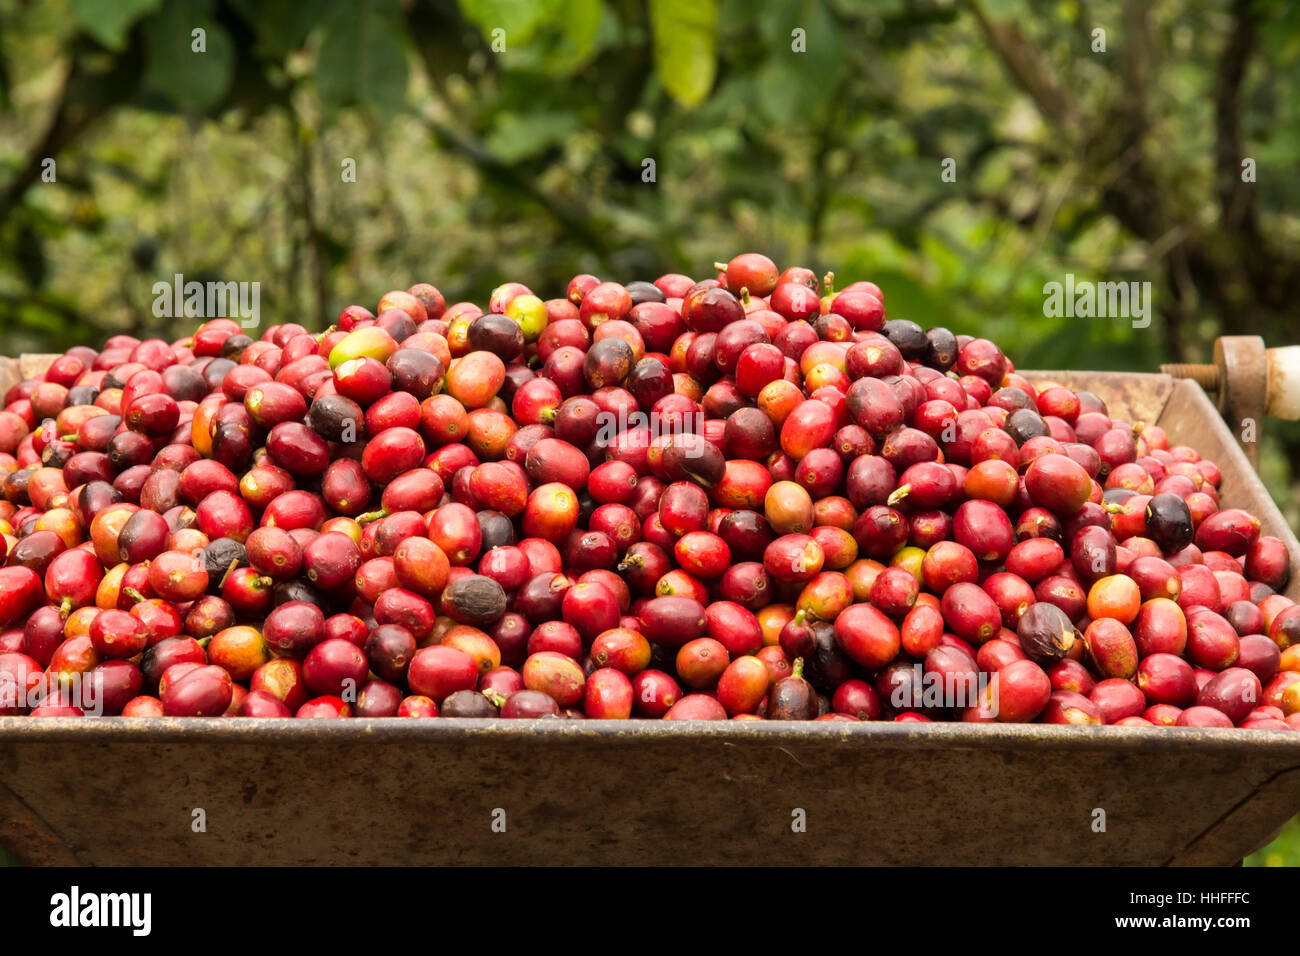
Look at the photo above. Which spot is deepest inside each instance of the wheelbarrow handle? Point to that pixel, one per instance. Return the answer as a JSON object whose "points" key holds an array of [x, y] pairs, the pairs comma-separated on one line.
{"points": [[1250, 382]]}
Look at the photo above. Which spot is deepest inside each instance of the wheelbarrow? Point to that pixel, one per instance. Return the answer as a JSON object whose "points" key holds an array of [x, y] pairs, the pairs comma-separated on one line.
{"points": [[211, 792]]}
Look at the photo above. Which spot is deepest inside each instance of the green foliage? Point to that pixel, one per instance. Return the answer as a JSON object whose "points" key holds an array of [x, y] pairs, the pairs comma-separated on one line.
{"points": [[554, 37], [519, 19], [571, 38], [794, 83], [109, 20], [280, 28], [520, 136], [362, 60], [1284, 851], [685, 41], [192, 80]]}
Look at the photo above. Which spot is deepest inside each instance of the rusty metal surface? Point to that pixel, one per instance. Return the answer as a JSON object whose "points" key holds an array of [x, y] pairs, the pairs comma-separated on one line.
{"points": [[1139, 398], [117, 791], [10, 375], [14, 370], [402, 791]]}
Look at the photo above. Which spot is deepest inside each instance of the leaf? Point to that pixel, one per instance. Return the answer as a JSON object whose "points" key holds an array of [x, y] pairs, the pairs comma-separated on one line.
{"points": [[791, 83], [191, 79], [519, 136], [280, 27], [518, 18], [780, 93], [109, 20], [560, 45], [579, 25], [776, 19], [685, 47], [361, 60]]}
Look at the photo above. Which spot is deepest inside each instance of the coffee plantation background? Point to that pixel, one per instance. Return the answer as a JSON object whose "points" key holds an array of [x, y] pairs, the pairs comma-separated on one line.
{"points": [[513, 139]]}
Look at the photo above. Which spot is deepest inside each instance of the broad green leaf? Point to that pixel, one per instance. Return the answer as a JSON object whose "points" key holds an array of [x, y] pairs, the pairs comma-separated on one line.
{"points": [[685, 47], [280, 27], [776, 19], [361, 60], [191, 79], [803, 68], [108, 21], [562, 44], [519, 136], [518, 18], [781, 92], [580, 24]]}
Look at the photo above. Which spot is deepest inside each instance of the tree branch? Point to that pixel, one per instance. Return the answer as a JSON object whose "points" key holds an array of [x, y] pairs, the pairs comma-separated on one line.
{"points": [[82, 99], [1022, 62], [1236, 198], [821, 195], [57, 134], [307, 203], [572, 222]]}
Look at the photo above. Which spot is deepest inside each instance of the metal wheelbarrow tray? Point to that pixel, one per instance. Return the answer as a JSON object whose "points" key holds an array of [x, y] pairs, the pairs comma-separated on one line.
{"points": [[393, 791]]}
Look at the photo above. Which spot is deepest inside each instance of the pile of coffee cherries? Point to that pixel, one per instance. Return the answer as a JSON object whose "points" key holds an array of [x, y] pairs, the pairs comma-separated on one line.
{"points": [[748, 497]]}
